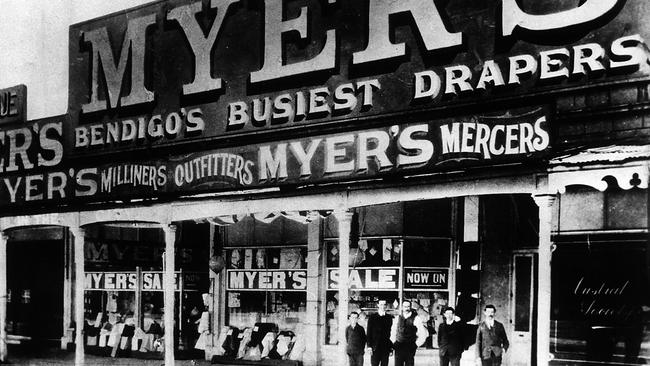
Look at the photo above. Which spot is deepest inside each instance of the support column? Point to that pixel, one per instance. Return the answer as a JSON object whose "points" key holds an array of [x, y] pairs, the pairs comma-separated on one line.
{"points": [[213, 300], [68, 295], [545, 204], [313, 323], [169, 290], [79, 276], [3, 296], [345, 219]]}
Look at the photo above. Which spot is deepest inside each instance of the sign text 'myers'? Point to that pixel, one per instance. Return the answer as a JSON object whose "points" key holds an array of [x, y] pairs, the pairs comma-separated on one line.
{"points": [[429, 23]]}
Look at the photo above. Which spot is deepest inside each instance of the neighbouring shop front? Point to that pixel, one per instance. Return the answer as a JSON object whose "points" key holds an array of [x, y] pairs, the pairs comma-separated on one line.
{"points": [[123, 301], [234, 192]]}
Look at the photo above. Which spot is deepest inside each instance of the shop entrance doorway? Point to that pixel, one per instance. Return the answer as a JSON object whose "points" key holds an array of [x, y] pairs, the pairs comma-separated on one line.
{"points": [[35, 271], [523, 309]]}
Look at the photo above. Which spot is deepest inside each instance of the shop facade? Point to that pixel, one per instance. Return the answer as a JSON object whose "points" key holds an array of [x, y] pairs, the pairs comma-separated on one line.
{"points": [[278, 176]]}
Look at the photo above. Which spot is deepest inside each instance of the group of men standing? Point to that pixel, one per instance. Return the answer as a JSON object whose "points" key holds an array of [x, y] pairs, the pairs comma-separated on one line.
{"points": [[403, 334]]}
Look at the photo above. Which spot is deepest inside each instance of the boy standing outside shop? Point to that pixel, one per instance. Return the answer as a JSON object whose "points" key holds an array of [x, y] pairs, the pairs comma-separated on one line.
{"points": [[379, 342], [491, 339], [450, 339], [355, 337]]}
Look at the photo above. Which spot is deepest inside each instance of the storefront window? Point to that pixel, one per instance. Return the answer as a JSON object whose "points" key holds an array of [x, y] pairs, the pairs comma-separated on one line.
{"points": [[601, 299], [267, 258], [267, 285], [429, 306], [367, 253], [124, 299], [285, 309], [391, 269], [426, 253]]}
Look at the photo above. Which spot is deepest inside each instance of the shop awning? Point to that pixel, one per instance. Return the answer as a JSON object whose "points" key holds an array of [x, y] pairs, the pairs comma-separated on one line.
{"points": [[628, 166]]}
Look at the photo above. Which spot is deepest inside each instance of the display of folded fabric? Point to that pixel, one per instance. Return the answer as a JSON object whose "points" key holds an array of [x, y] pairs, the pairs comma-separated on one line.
{"points": [[114, 335], [262, 344]]}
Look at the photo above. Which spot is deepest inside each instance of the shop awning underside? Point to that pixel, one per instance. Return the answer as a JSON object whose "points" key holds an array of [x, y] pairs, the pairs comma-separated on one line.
{"points": [[626, 166], [302, 217]]}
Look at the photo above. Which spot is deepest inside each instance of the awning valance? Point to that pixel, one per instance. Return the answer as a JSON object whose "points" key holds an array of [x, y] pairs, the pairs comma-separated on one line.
{"points": [[302, 217], [627, 165]]}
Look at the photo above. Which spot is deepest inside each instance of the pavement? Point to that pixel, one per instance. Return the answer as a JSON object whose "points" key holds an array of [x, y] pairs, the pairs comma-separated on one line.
{"points": [[61, 357]]}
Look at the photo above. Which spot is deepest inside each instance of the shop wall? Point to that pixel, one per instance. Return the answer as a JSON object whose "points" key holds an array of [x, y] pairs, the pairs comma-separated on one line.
{"points": [[604, 115], [430, 218], [507, 223], [37, 233], [601, 276], [583, 208]]}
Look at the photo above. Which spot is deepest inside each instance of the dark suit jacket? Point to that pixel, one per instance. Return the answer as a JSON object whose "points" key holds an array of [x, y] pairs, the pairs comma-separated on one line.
{"points": [[450, 339], [379, 333], [356, 340], [491, 340]]}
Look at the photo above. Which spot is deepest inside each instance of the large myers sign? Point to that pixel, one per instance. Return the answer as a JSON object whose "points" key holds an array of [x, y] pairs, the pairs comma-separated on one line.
{"points": [[401, 149], [177, 71]]}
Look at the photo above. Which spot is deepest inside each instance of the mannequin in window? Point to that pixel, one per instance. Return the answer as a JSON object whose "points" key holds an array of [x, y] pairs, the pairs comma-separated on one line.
{"points": [[235, 259], [260, 259]]}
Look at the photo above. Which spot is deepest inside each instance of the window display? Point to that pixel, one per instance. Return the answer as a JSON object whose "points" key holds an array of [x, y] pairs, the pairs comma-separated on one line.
{"points": [[391, 269], [114, 323], [267, 258], [429, 306], [601, 299], [266, 285], [285, 309]]}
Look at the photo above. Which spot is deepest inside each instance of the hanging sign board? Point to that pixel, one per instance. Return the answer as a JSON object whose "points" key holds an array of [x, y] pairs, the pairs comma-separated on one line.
{"points": [[426, 278]]}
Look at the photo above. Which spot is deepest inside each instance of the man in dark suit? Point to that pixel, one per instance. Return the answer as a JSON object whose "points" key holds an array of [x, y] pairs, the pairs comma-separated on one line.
{"points": [[379, 343], [491, 339], [450, 339]]}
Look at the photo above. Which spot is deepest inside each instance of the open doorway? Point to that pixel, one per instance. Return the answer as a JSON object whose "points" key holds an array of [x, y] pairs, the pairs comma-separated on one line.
{"points": [[35, 276]]}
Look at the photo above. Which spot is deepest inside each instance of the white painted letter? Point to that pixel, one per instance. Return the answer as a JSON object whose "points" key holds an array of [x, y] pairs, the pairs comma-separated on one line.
{"points": [[427, 20], [200, 45]]}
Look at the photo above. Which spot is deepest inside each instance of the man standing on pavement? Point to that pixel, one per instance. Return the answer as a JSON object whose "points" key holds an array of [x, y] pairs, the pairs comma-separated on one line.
{"points": [[407, 334], [491, 339], [450, 339], [355, 338], [379, 343]]}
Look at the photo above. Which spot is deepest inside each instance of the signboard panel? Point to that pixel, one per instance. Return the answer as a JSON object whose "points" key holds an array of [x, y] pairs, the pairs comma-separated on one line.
{"points": [[402, 149], [386, 278], [13, 104], [272, 279], [128, 281], [426, 278], [168, 72]]}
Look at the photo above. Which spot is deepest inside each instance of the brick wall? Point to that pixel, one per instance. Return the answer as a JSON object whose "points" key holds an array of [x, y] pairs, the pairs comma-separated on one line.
{"points": [[604, 115]]}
